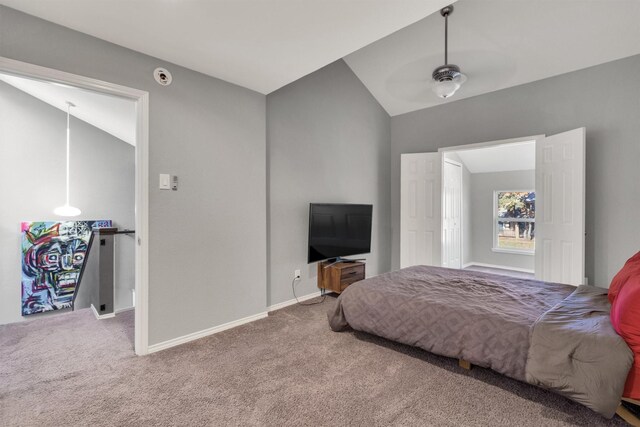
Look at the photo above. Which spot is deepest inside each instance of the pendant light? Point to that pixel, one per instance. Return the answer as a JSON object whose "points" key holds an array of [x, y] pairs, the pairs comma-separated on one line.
{"points": [[447, 78], [67, 210]]}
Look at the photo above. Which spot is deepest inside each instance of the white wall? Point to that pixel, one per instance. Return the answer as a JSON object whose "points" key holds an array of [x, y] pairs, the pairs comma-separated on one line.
{"points": [[207, 241], [328, 141], [32, 173], [483, 186]]}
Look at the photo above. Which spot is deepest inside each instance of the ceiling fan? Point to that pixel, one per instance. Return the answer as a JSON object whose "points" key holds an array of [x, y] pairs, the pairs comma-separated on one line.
{"points": [[447, 78]]}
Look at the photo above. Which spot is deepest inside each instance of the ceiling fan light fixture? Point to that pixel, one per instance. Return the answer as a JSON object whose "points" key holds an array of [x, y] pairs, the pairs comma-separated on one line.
{"points": [[445, 89], [447, 78], [67, 210]]}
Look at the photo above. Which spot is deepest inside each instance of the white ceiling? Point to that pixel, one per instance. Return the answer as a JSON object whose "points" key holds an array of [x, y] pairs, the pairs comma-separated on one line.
{"points": [[259, 44], [498, 44], [518, 156], [266, 44], [111, 114]]}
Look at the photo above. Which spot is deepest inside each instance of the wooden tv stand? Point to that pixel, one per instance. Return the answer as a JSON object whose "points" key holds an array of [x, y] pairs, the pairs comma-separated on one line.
{"points": [[337, 277]]}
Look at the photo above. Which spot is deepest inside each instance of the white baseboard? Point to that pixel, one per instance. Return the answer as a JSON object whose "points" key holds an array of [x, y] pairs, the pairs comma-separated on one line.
{"points": [[214, 330], [500, 267], [284, 304], [206, 332], [101, 316], [121, 310]]}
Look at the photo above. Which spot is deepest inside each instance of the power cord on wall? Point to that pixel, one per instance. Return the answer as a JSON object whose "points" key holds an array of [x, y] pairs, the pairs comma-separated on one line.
{"points": [[293, 288]]}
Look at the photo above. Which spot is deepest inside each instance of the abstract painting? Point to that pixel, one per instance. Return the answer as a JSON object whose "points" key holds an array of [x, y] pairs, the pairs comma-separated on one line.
{"points": [[53, 255]]}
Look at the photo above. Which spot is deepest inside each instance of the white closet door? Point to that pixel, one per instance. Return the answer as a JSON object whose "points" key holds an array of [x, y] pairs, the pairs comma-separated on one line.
{"points": [[420, 211], [451, 215], [560, 196]]}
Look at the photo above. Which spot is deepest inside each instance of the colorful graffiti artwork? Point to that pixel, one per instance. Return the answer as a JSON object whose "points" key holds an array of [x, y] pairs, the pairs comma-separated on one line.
{"points": [[53, 254]]}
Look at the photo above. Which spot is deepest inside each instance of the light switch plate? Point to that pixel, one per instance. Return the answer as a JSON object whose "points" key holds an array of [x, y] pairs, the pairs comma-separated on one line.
{"points": [[165, 181]]}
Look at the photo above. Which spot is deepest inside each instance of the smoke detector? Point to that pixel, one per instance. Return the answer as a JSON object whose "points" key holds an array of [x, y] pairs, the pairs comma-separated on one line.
{"points": [[162, 76]]}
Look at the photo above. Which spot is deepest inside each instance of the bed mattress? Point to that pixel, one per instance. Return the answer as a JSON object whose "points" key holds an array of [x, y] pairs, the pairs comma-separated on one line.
{"points": [[551, 335], [483, 318]]}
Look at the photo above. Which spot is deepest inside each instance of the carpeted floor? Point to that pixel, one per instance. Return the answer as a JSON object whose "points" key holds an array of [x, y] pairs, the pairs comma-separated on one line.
{"points": [[288, 369], [501, 271]]}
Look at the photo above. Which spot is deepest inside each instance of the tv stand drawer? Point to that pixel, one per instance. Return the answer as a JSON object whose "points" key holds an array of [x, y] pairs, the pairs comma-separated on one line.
{"points": [[346, 282], [337, 277], [352, 271]]}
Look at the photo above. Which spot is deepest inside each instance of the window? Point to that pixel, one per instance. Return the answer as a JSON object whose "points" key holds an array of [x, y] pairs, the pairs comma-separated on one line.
{"points": [[514, 221]]}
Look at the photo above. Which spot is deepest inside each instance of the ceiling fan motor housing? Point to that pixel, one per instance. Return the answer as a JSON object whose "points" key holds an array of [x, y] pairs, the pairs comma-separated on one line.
{"points": [[446, 72]]}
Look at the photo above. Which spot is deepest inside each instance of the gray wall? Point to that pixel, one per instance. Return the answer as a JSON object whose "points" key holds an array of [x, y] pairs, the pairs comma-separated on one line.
{"points": [[483, 186], [89, 292], [207, 242], [32, 172], [328, 141], [608, 107]]}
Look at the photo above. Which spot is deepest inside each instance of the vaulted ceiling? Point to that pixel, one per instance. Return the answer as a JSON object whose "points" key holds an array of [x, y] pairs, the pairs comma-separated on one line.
{"points": [[259, 44], [391, 45], [112, 114], [497, 44]]}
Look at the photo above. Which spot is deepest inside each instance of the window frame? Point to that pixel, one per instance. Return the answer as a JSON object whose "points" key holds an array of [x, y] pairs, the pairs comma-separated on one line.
{"points": [[494, 208]]}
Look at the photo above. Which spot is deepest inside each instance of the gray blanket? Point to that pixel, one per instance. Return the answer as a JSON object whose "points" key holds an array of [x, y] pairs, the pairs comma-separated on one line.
{"points": [[576, 352], [483, 318]]}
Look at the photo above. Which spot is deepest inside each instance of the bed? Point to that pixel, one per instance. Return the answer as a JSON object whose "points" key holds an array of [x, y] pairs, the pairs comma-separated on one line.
{"points": [[548, 334]]}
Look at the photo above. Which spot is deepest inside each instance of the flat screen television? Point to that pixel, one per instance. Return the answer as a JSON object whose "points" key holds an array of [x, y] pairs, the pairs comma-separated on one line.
{"points": [[338, 230]]}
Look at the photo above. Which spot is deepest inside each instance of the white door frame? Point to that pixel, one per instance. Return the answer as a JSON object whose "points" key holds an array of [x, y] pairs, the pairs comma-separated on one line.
{"points": [[491, 143], [141, 99], [476, 146]]}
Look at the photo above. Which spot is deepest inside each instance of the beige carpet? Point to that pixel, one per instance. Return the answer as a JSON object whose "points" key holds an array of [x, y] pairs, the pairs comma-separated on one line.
{"points": [[501, 271], [288, 369]]}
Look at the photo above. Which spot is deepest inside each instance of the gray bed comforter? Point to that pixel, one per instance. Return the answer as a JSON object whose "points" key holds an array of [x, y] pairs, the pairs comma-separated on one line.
{"points": [[521, 328], [575, 352]]}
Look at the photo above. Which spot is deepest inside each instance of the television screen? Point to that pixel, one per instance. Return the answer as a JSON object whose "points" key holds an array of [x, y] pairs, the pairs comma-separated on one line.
{"points": [[337, 230]]}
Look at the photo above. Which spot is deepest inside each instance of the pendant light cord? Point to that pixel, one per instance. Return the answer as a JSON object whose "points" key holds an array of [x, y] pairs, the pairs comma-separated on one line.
{"points": [[68, 210], [68, 138]]}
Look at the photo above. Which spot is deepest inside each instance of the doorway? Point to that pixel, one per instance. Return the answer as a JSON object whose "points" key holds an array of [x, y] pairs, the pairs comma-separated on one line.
{"points": [[521, 206], [499, 206], [138, 298]]}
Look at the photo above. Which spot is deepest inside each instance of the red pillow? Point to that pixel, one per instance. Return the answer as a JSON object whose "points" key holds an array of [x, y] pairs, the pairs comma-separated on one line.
{"points": [[625, 318], [630, 268]]}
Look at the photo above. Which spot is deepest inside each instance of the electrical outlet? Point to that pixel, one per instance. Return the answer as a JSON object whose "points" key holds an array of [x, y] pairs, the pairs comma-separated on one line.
{"points": [[296, 274]]}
